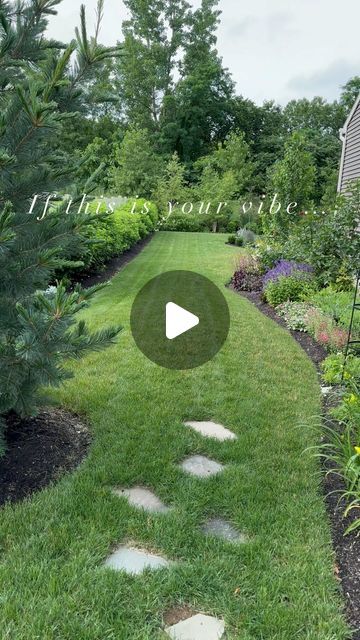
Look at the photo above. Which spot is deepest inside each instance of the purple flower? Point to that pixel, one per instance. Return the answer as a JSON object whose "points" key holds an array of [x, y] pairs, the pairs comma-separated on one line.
{"points": [[287, 268]]}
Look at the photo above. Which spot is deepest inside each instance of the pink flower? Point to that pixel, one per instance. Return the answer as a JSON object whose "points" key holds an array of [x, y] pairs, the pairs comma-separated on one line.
{"points": [[323, 337]]}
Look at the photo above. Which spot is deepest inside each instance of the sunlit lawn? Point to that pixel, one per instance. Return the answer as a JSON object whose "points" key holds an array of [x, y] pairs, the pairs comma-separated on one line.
{"points": [[280, 585]]}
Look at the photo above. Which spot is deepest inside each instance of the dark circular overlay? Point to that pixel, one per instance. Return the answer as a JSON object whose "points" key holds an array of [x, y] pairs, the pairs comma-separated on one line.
{"points": [[197, 295]]}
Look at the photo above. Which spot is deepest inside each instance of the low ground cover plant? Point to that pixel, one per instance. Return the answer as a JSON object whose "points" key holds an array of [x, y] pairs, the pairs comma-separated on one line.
{"points": [[294, 314]]}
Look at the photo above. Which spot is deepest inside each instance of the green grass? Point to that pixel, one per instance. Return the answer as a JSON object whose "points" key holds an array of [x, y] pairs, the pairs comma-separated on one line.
{"points": [[260, 385]]}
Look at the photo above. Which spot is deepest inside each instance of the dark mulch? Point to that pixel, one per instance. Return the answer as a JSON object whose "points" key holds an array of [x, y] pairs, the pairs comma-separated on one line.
{"points": [[113, 266], [347, 548], [315, 351], [40, 450]]}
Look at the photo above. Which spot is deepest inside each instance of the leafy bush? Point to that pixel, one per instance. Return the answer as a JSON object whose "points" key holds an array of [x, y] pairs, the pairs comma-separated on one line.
{"points": [[232, 239], [110, 234], [329, 240], [333, 367], [247, 276], [294, 314], [239, 241], [184, 222], [290, 288]]}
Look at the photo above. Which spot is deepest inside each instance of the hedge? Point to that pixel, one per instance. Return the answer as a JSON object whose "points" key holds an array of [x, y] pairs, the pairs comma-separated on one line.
{"points": [[117, 232]]}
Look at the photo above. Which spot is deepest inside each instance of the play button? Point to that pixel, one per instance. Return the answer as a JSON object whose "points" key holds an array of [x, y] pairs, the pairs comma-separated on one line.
{"points": [[180, 319]]}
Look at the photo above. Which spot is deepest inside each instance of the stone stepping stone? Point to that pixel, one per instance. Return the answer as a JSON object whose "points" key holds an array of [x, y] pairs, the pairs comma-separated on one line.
{"points": [[201, 466], [142, 498], [198, 627], [134, 561], [326, 390], [212, 430], [223, 529]]}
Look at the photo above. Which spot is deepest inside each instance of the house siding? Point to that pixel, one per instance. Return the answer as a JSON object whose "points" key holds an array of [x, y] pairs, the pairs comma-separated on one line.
{"points": [[350, 169]]}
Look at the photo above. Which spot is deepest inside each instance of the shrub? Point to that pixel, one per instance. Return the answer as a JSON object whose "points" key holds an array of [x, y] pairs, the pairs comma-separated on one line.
{"points": [[239, 241], [184, 222], [232, 239], [294, 314], [342, 449], [285, 289], [110, 234], [247, 276]]}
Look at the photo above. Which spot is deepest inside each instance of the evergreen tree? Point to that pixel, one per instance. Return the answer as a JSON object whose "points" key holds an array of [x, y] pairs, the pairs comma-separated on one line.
{"points": [[40, 89]]}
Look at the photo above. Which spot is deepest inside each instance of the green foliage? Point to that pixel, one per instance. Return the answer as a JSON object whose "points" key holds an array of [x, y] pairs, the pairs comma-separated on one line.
{"points": [[110, 234], [171, 187], [199, 113], [268, 254], [232, 239], [38, 329], [338, 306], [290, 288], [349, 94], [341, 449], [154, 35], [184, 222], [325, 331], [329, 240], [231, 157], [293, 179], [136, 165], [294, 314], [333, 368]]}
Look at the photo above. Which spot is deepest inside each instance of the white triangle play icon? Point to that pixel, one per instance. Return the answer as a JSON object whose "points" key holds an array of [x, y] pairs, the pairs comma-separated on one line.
{"points": [[178, 320]]}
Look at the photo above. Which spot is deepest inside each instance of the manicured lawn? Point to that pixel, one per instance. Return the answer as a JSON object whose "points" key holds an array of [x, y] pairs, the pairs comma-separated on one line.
{"points": [[279, 585]]}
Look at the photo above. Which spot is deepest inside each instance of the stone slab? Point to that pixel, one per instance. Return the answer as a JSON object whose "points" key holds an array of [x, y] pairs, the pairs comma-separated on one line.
{"points": [[201, 466], [223, 529], [212, 430], [142, 498], [326, 390], [134, 561], [198, 627]]}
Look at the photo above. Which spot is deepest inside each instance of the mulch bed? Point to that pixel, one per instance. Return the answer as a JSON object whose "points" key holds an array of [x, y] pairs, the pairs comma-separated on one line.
{"points": [[113, 266], [347, 549], [40, 450]]}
